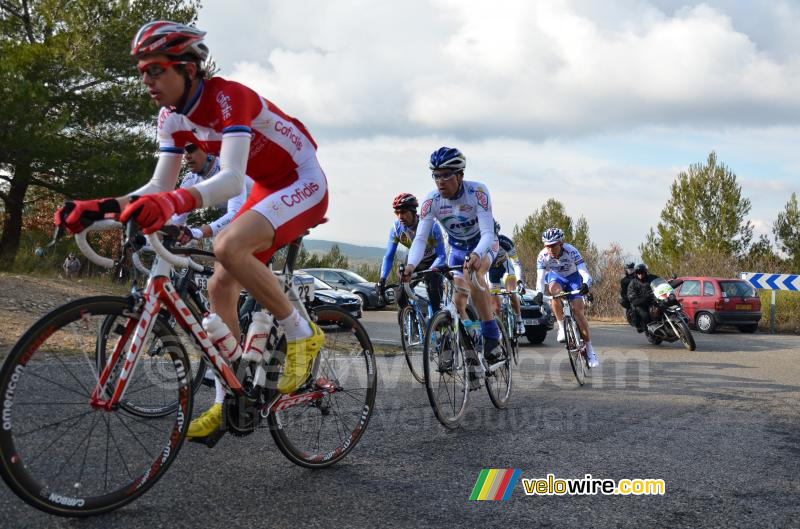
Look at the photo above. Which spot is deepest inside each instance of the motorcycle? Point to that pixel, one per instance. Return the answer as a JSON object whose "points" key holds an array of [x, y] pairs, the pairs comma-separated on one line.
{"points": [[669, 322]]}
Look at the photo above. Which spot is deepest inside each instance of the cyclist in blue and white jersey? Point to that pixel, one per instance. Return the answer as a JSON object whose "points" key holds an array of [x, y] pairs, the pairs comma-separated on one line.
{"points": [[201, 167], [464, 210], [402, 232], [506, 269], [561, 267]]}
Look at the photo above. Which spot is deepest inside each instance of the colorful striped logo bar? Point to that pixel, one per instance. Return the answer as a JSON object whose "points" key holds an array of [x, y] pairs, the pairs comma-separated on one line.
{"points": [[495, 484]]}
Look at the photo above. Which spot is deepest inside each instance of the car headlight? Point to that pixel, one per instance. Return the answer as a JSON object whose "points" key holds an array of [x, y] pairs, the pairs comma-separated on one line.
{"points": [[326, 299]]}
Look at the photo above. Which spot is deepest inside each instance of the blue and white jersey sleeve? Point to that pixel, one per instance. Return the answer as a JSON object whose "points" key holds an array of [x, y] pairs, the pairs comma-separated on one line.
{"points": [[485, 219], [427, 217], [391, 249]]}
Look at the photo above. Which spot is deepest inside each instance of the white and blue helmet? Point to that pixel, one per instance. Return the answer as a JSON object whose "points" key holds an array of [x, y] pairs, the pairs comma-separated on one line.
{"points": [[448, 158], [552, 236]]}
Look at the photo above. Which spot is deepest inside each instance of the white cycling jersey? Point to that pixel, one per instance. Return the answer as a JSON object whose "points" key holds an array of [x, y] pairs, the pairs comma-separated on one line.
{"points": [[569, 262], [467, 219]]}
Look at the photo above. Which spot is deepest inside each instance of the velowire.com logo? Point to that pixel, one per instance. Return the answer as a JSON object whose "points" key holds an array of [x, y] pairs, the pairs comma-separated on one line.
{"points": [[495, 484]]}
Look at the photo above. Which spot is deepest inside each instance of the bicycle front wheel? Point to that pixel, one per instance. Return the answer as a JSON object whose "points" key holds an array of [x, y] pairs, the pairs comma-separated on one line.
{"points": [[321, 422], [575, 347], [60, 454], [412, 337], [498, 381], [446, 374], [143, 398]]}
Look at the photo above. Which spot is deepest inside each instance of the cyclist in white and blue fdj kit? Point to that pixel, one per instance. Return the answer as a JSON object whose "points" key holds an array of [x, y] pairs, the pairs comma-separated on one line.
{"points": [[561, 267], [464, 210]]}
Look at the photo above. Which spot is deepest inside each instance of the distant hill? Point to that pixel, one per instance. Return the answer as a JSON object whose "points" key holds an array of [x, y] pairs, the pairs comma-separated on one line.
{"points": [[372, 253]]}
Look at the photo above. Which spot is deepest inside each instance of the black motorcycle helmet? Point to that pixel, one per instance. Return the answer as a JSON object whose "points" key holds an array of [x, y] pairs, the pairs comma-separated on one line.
{"points": [[629, 268], [640, 268]]}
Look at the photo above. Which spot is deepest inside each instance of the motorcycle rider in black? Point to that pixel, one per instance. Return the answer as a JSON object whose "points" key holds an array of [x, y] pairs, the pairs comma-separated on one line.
{"points": [[623, 286], [641, 296]]}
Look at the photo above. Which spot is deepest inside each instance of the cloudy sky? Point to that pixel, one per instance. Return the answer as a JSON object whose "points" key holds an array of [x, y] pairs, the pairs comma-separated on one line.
{"points": [[596, 104]]}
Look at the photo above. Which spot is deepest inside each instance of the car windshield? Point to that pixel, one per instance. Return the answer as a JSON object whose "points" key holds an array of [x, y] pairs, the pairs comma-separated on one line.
{"points": [[735, 289], [318, 283], [352, 277]]}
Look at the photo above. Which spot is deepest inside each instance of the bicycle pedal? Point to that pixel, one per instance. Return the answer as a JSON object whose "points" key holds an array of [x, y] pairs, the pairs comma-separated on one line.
{"points": [[210, 440]]}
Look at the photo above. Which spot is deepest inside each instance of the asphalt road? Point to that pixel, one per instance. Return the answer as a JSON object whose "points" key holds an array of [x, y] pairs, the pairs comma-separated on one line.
{"points": [[718, 425]]}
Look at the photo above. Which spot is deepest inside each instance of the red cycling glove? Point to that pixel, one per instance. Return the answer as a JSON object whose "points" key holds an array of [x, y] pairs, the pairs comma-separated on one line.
{"points": [[153, 211], [76, 215]]}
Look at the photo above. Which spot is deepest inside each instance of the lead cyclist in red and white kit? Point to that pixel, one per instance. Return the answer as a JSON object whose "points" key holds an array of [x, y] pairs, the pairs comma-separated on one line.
{"points": [[252, 137]]}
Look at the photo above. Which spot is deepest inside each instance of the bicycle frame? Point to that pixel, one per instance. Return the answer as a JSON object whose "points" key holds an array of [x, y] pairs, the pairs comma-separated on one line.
{"points": [[161, 293]]}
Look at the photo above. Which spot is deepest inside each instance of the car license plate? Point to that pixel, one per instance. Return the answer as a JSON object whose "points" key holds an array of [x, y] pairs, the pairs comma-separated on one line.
{"points": [[746, 306], [530, 322]]}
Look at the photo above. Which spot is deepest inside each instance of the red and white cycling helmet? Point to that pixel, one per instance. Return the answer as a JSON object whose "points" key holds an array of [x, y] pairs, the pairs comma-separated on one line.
{"points": [[405, 201], [169, 38]]}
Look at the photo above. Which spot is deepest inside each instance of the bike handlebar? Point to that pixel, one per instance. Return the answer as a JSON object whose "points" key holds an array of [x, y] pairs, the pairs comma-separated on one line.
{"points": [[87, 250], [566, 293], [175, 260]]}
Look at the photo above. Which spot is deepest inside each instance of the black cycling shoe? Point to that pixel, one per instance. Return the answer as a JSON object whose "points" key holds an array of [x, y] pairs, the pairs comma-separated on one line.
{"points": [[491, 350], [446, 361]]}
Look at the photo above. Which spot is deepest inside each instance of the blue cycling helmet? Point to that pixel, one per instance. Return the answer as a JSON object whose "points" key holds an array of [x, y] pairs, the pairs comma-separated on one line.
{"points": [[448, 158], [552, 236]]}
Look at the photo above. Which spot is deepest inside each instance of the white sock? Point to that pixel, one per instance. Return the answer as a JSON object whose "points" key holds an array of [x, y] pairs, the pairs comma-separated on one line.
{"points": [[589, 347], [560, 324], [295, 327], [219, 392]]}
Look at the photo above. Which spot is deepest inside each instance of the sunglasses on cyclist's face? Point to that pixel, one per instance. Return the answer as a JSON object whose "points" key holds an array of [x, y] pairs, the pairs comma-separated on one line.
{"points": [[156, 68], [444, 175], [190, 148]]}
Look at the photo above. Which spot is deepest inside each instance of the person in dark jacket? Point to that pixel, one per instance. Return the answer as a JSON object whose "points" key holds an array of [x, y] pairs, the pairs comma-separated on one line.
{"points": [[641, 295], [623, 286]]}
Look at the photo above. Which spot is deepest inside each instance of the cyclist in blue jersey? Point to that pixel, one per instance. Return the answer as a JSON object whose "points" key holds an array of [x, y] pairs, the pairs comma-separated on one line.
{"points": [[506, 269], [561, 267], [464, 210], [402, 232]]}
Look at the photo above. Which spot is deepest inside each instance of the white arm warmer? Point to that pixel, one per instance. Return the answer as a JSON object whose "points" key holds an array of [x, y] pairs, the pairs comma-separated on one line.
{"points": [[229, 180], [584, 272], [164, 177], [417, 250]]}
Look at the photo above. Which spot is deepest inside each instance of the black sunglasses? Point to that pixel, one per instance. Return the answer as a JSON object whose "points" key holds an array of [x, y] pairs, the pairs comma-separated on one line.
{"points": [[190, 148]]}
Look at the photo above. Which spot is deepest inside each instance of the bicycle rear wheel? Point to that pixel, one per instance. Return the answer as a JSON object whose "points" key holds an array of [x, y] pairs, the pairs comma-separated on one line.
{"points": [[58, 453], [446, 375], [575, 348], [412, 337], [498, 382], [321, 422]]}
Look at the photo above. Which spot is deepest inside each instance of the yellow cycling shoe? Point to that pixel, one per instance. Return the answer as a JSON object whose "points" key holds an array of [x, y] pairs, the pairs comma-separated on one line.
{"points": [[300, 355], [208, 423]]}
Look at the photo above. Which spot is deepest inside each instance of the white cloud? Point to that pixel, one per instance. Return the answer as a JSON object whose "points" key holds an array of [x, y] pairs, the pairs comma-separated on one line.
{"points": [[520, 68]]}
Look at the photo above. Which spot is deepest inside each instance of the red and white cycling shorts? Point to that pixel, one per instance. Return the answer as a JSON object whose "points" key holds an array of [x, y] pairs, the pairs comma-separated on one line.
{"points": [[291, 209]]}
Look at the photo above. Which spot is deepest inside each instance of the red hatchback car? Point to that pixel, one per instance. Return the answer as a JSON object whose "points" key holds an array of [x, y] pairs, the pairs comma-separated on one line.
{"points": [[712, 301]]}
